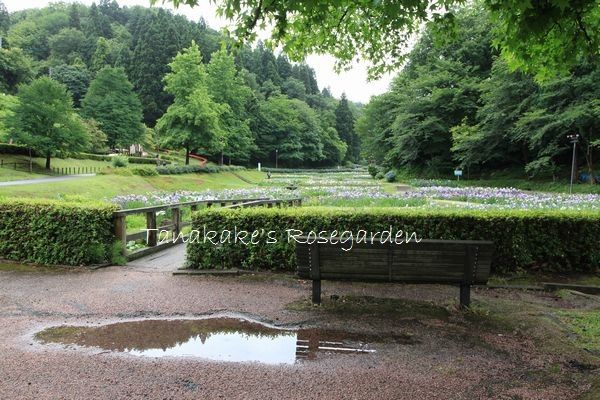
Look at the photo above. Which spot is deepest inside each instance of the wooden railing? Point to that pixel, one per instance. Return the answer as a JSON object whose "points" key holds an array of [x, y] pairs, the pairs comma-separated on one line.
{"points": [[150, 235]]}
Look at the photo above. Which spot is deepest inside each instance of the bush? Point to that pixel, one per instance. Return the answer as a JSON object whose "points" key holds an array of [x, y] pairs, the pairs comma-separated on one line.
{"points": [[119, 162], [16, 149], [390, 176], [56, 233], [373, 170], [542, 241], [196, 169], [144, 171], [148, 160], [379, 175], [308, 170], [89, 156]]}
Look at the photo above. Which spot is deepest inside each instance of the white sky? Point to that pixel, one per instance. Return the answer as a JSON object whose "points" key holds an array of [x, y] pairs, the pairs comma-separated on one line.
{"points": [[353, 82]]}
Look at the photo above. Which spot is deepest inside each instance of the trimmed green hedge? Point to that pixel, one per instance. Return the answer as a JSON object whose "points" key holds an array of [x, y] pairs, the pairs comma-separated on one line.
{"points": [[56, 233], [309, 170], [544, 241], [16, 149], [196, 169]]}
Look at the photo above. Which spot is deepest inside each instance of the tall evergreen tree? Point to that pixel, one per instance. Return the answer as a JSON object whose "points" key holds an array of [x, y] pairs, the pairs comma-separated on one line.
{"points": [[112, 102], [344, 124], [156, 43]]}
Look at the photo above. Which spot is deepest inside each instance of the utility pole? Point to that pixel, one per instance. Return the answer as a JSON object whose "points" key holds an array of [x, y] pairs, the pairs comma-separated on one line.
{"points": [[574, 138]]}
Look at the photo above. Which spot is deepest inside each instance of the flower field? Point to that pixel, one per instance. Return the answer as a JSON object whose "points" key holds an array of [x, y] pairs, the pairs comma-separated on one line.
{"points": [[346, 189]]}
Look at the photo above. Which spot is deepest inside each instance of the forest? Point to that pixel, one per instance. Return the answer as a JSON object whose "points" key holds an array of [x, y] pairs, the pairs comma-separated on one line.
{"points": [[119, 75], [458, 104]]}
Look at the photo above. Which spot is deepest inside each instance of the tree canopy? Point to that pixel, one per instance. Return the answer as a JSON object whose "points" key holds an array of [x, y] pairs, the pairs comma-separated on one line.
{"points": [[44, 119], [111, 101], [540, 37]]}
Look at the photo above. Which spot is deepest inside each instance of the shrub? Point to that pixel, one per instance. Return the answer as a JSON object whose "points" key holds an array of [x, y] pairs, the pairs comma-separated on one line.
{"points": [[144, 171], [544, 241], [390, 176], [309, 170], [379, 175], [16, 149], [89, 156], [148, 160], [373, 170], [196, 169], [56, 233], [119, 162]]}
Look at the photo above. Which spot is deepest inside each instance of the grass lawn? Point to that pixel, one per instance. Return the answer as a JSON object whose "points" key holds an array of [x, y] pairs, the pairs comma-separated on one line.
{"points": [[106, 186]]}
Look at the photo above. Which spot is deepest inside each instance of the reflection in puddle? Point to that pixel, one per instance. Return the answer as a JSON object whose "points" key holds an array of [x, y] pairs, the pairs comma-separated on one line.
{"points": [[221, 339]]}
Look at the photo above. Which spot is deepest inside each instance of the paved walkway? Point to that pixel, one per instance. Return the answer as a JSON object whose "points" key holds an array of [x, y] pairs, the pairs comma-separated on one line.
{"points": [[167, 260], [44, 180]]}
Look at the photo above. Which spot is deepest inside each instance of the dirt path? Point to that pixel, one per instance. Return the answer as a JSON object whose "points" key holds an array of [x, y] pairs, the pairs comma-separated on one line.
{"points": [[426, 348]]}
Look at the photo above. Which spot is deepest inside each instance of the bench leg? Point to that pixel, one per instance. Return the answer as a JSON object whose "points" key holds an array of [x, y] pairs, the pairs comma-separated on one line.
{"points": [[465, 296], [316, 292]]}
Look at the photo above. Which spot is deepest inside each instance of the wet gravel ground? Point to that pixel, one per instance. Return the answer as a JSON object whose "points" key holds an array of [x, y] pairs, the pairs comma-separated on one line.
{"points": [[447, 359]]}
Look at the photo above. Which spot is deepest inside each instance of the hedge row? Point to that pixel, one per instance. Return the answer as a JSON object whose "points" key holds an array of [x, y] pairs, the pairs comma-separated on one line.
{"points": [[196, 169], [55, 233], [16, 149], [549, 242], [309, 171], [104, 157]]}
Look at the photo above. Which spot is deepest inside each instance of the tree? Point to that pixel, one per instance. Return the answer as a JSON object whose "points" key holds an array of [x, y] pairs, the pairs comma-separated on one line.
{"points": [[44, 119], [344, 124], [66, 45], [4, 19], [110, 101], [227, 87], [7, 105], [290, 129], [547, 36], [16, 67], [192, 121], [98, 138], [75, 77]]}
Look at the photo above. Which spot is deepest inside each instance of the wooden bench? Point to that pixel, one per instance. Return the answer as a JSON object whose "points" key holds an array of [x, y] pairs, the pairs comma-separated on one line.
{"points": [[454, 262]]}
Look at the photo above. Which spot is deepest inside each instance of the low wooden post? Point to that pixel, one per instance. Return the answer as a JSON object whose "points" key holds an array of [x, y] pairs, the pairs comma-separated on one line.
{"points": [[176, 222], [208, 205], [315, 272], [120, 226], [465, 295], [151, 235]]}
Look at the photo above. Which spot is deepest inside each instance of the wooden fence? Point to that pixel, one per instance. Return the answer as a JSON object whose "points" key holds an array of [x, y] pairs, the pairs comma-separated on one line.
{"points": [[24, 166], [175, 223]]}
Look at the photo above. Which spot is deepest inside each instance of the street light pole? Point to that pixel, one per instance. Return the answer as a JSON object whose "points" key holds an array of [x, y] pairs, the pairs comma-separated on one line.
{"points": [[574, 138]]}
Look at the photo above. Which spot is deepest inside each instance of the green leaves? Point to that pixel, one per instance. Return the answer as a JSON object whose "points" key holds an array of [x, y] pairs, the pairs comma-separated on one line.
{"points": [[53, 233], [110, 101], [192, 121], [522, 239], [44, 119]]}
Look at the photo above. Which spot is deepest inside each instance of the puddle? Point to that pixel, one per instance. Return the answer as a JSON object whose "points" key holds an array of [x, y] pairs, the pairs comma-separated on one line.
{"points": [[220, 339]]}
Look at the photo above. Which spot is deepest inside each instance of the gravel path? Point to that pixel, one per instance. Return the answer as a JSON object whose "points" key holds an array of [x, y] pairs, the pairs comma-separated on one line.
{"points": [[447, 359]]}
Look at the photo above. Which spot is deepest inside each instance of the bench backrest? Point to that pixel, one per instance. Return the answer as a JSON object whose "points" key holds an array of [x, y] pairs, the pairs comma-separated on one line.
{"points": [[429, 261]]}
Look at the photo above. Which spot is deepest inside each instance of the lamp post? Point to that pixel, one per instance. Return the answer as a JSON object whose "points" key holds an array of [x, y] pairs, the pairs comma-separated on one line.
{"points": [[276, 158], [574, 138]]}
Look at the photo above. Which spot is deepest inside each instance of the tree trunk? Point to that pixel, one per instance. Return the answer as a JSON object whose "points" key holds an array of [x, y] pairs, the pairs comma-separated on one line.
{"points": [[187, 155], [221, 160], [48, 161], [30, 162]]}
